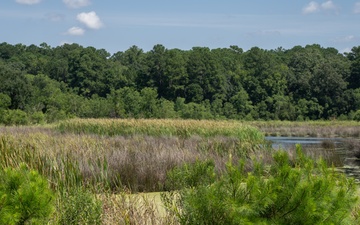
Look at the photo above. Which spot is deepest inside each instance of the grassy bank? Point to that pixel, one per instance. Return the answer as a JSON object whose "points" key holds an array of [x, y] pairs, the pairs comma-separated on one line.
{"points": [[112, 159], [161, 127], [118, 157], [309, 128]]}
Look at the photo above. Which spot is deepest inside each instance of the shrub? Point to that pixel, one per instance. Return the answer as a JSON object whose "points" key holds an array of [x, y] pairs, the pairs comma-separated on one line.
{"points": [[37, 118], [53, 114], [357, 115], [25, 197], [286, 192], [79, 206], [15, 117], [191, 175]]}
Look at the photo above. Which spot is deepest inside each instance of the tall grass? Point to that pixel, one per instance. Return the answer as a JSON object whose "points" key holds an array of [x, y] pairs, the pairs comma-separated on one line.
{"points": [[112, 162], [138, 162], [309, 128], [161, 127], [113, 157]]}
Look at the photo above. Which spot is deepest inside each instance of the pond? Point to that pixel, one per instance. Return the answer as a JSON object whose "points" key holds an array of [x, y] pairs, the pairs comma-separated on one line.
{"points": [[336, 151], [289, 142]]}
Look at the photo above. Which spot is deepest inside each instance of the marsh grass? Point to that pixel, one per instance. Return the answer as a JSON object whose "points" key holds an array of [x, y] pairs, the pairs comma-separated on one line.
{"points": [[328, 151], [309, 128], [144, 208], [116, 158], [161, 127], [137, 162], [114, 166], [353, 147]]}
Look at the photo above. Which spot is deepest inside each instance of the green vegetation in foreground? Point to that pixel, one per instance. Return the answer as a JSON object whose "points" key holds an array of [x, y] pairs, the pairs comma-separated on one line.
{"points": [[25, 197], [208, 166], [288, 191]]}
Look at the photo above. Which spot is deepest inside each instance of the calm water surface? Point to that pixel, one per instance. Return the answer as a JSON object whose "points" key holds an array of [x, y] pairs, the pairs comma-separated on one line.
{"points": [[345, 163], [289, 142]]}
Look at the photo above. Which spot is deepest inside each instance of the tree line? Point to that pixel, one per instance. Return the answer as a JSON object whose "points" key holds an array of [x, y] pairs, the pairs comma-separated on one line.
{"points": [[45, 84]]}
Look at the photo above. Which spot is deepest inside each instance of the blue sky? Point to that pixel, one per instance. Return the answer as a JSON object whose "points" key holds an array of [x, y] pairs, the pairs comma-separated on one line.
{"points": [[115, 25]]}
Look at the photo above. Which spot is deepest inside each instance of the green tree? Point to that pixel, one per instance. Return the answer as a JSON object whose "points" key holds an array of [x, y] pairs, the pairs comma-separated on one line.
{"points": [[14, 84], [126, 102], [149, 102], [203, 71], [328, 86], [264, 76], [242, 103], [25, 197], [299, 191], [5, 101], [135, 68], [354, 57], [166, 109]]}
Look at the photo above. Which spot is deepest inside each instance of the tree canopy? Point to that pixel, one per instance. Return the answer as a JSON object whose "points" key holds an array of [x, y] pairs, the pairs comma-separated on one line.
{"points": [[300, 83]]}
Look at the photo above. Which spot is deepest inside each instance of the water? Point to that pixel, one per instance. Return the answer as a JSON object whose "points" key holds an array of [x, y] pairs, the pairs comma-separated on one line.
{"points": [[333, 149], [289, 142]]}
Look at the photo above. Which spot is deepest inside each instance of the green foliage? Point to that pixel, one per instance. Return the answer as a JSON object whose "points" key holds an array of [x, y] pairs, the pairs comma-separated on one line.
{"points": [[301, 83], [195, 111], [79, 206], [357, 115], [166, 109], [53, 115], [25, 197], [37, 118], [15, 117], [126, 102], [96, 107], [354, 57], [5, 101], [14, 84], [191, 175], [298, 191]]}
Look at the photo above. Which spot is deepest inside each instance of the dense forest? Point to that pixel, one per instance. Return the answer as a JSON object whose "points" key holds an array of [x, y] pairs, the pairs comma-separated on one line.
{"points": [[41, 84]]}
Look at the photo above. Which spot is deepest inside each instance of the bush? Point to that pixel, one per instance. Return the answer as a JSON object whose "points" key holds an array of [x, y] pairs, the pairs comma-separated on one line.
{"points": [[37, 118], [191, 175], [79, 206], [15, 117], [25, 197], [53, 115], [286, 192], [357, 115]]}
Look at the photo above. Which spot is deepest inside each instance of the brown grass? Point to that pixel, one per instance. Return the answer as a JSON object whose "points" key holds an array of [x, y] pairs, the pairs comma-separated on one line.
{"points": [[309, 128], [138, 163]]}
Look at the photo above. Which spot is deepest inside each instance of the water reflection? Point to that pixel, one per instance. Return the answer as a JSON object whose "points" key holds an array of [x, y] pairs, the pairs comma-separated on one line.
{"points": [[333, 150], [289, 142]]}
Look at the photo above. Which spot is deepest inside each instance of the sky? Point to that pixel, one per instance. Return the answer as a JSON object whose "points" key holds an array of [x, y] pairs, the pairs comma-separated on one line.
{"points": [[116, 25]]}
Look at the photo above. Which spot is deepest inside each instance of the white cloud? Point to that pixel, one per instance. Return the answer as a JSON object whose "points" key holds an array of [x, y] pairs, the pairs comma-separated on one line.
{"points": [[329, 5], [76, 31], [76, 3], [357, 7], [312, 7], [28, 2], [90, 19], [346, 39]]}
